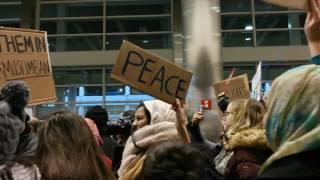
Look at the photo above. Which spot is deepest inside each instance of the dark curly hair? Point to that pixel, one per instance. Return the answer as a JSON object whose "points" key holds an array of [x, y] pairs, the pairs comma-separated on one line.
{"points": [[99, 115], [172, 161], [16, 94]]}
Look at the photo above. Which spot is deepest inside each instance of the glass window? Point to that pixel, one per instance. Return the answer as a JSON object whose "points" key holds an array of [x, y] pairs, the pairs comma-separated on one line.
{"points": [[139, 7], [236, 22], [82, 109], [280, 21], [150, 41], [236, 39], [248, 69], [85, 76], [272, 72], [262, 6], [235, 6], [10, 11], [138, 25], [72, 27], [136, 92], [79, 94], [10, 24], [115, 111], [71, 10], [78, 43], [45, 110], [109, 80], [115, 90], [278, 38]]}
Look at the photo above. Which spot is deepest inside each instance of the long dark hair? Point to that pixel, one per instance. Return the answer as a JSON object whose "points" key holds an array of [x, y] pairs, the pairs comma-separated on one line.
{"points": [[67, 149]]}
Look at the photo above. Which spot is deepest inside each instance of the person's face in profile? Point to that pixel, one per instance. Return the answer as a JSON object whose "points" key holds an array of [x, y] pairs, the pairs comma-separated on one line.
{"points": [[140, 119]]}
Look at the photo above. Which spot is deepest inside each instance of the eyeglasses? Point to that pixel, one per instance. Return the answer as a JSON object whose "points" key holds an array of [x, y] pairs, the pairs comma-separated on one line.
{"points": [[226, 113]]}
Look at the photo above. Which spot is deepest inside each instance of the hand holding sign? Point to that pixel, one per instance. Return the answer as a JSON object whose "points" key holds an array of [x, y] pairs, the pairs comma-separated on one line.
{"points": [[181, 122]]}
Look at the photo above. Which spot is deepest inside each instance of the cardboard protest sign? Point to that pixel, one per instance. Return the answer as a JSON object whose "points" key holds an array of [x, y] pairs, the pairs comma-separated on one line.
{"points": [[256, 84], [234, 88], [295, 4], [151, 74], [24, 56]]}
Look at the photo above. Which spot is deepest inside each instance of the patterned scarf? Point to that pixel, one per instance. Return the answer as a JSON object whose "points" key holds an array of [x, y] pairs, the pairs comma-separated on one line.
{"points": [[293, 117]]}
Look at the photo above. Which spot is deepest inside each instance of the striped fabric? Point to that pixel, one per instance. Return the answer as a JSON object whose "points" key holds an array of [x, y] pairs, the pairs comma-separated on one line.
{"points": [[293, 117]]}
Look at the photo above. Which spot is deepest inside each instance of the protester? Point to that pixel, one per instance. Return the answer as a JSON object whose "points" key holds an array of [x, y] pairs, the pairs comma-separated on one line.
{"points": [[15, 165], [173, 161], [142, 117], [100, 117], [67, 150], [247, 141], [162, 128], [99, 141], [292, 125]]}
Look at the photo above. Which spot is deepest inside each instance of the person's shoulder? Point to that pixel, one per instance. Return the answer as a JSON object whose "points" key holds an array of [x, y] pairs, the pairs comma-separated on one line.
{"points": [[298, 166], [20, 171]]}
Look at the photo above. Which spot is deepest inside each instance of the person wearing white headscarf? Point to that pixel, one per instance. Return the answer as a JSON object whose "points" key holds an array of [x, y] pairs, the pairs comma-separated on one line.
{"points": [[162, 127]]}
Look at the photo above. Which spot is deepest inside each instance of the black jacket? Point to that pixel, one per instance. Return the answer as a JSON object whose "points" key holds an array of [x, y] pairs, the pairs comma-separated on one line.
{"points": [[209, 150], [302, 166]]}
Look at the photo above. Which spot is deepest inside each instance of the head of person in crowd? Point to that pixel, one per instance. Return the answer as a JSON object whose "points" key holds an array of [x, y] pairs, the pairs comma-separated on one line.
{"points": [[171, 161], [100, 117], [14, 96], [243, 114], [293, 116], [142, 117], [67, 149], [94, 130], [161, 128], [223, 102], [127, 116]]}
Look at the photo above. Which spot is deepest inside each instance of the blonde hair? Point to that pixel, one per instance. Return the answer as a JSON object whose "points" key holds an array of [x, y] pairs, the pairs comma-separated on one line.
{"points": [[247, 113]]}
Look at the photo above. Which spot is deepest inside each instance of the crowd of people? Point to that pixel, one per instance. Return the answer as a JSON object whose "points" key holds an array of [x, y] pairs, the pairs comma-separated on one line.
{"points": [[275, 138]]}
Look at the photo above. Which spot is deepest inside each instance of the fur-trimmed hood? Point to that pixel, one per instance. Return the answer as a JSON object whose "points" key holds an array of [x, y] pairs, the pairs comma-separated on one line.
{"points": [[250, 138]]}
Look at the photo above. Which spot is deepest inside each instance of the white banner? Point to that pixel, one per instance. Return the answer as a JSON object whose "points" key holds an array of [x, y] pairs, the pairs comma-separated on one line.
{"points": [[256, 82]]}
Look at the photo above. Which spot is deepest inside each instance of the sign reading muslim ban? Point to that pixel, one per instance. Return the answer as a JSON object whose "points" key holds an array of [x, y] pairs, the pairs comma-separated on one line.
{"points": [[24, 56], [234, 88], [151, 74]]}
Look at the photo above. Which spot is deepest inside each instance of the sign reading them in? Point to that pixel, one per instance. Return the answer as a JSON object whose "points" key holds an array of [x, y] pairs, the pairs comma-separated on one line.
{"points": [[234, 88], [24, 56], [151, 74]]}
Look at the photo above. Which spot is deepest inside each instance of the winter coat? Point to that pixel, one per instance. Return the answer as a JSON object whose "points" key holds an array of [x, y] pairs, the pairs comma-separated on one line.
{"points": [[304, 166], [250, 150], [209, 150]]}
